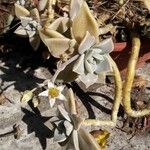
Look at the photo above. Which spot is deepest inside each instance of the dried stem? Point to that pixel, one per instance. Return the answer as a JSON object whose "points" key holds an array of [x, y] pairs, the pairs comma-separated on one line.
{"points": [[129, 80], [117, 101], [120, 9]]}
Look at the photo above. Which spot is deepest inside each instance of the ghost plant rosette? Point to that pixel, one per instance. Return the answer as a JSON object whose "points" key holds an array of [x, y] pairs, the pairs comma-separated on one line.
{"points": [[93, 59], [53, 93], [67, 129], [30, 23]]}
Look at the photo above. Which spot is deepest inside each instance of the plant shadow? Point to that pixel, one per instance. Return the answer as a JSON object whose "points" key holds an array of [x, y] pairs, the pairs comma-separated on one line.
{"points": [[20, 61], [35, 123], [88, 101]]}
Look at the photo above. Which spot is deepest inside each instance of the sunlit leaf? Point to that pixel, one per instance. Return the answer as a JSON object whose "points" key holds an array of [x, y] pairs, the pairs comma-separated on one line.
{"points": [[101, 137], [147, 4], [20, 11], [27, 95], [57, 46], [42, 4], [35, 101], [83, 22], [88, 79], [86, 141], [60, 25]]}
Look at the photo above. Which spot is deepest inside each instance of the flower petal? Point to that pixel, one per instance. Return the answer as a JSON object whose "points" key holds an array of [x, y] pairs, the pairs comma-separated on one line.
{"points": [[50, 85], [51, 102], [61, 97], [44, 93], [64, 113], [61, 88]]}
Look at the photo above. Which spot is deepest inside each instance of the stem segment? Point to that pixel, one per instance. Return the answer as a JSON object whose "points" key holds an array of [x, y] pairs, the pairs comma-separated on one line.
{"points": [[129, 80]]}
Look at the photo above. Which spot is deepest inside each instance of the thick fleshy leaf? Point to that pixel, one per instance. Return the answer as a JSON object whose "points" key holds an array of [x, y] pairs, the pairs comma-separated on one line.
{"points": [[21, 31], [57, 46], [77, 121], [83, 22], [35, 14], [146, 3], [90, 63], [90, 67], [27, 95], [104, 66], [88, 79], [35, 101], [20, 11], [47, 33], [42, 4], [75, 7], [75, 140], [68, 127], [106, 46], [58, 136], [61, 25], [87, 141], [86, 43], [79, 65], [101, 78], [35, 42], [64, 113]]}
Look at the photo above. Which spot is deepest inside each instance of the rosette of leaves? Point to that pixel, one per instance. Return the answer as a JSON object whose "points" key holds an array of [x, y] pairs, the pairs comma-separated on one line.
{"points": [[68, 132], [93, 59], [54, 33], [30, 23], [56, 37]]}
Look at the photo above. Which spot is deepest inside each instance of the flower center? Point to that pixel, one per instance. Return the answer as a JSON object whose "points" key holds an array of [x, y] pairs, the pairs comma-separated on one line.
{"points": [[53, 92]]}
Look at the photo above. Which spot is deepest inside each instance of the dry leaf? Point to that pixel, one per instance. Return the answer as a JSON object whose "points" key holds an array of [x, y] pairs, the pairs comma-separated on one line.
{"points": [[35, 101], [101, 137], [139, 81], [2, 99], [27, 95]]}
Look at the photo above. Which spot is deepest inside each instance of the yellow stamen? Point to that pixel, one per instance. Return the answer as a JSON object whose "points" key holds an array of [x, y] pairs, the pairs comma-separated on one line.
{"points": [[53, 92]]}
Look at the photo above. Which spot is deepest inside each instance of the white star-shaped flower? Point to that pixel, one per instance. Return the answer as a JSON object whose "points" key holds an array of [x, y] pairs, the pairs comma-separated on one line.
{"points": [[53, 92]]}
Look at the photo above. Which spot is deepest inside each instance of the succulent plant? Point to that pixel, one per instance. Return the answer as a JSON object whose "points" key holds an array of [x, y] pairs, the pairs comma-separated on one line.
{"points": [[93, 59], [67, 128]]}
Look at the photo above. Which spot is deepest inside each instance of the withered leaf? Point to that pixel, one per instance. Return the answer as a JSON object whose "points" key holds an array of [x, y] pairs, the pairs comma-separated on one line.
{"points": [[101, 137]]}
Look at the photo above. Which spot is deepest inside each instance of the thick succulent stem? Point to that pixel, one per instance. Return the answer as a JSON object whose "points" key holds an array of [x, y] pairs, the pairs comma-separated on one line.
{"points": [[129, 80], [117, 101]]}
